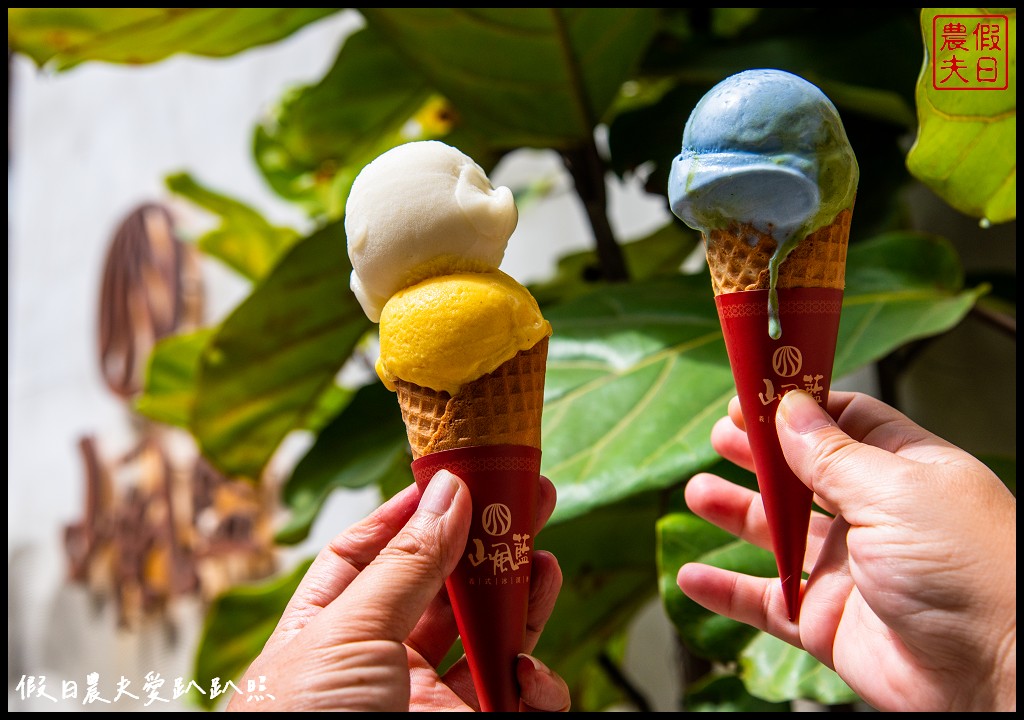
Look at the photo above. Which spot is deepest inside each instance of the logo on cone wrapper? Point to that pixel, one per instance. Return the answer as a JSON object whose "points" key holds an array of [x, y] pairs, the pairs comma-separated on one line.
{"points": [[496, 519], [490, 586], [787, 361], [764, 370]]}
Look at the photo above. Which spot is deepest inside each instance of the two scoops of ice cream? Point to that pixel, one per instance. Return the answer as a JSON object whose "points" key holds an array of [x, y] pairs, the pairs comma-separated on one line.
{"points": [[464, 347], [426, 234]]}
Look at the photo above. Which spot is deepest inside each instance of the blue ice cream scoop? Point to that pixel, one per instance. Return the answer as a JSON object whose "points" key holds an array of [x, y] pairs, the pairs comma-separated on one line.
{"points": [[765, 148]]}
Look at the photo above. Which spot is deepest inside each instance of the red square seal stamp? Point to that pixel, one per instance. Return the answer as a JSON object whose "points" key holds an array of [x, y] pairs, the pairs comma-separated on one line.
{"points": [[970, 52]]}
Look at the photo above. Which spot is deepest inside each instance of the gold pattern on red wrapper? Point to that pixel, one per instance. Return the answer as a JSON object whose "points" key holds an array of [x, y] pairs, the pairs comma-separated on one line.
{"points": [[490, 587], [764, 370]]}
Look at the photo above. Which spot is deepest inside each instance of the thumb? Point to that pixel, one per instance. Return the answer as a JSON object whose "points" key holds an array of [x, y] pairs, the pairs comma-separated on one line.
{"points": [[387, 598], [848, 475]]}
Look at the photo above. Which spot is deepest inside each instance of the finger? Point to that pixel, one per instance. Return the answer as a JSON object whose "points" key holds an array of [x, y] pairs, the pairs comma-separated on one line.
{"points": [[862, 417], [731, 442], [430, 692], [546, 499], [826, 594], [853, 477], [545, 584], [341, 561], [736, 414], [740, 511], [436, 631], [541, 690], [871, 421], [388, 597], [756, 601]]}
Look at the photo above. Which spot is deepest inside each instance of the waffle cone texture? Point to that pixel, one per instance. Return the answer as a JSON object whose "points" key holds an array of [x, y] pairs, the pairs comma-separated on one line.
{"points": [[502, 407], [738, 258]]}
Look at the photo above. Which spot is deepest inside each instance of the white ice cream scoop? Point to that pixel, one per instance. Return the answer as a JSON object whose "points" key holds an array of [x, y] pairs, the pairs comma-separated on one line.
{"points": [[422, 205]]}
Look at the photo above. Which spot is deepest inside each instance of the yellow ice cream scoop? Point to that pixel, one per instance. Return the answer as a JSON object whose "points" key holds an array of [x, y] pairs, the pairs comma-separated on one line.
{"points": [[449, 330]]}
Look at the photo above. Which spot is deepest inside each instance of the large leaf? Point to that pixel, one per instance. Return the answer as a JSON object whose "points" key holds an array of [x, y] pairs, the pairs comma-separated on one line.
{"points": [[321, 135], [169, 391], [594, 690], [276, 354], [726, 693], [65, 37], [776, 671], [638, 373], [685, 538], [245, 240], [238, 625], [364, 445], [966, 147], [899, 287], [606, 580], [540, 77], [170, 388]]}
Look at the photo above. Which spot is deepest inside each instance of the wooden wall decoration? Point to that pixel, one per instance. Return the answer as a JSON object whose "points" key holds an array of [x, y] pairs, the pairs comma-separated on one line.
{"points": [[159, 522]]}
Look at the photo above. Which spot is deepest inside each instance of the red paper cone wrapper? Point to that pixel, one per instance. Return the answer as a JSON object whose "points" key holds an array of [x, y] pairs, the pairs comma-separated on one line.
{"points": [[764, 370], [490, 587]]}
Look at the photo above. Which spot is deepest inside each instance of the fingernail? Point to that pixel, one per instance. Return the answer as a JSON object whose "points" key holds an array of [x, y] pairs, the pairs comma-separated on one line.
{"points": [[440, 492], [802, 413], [526, 661]]}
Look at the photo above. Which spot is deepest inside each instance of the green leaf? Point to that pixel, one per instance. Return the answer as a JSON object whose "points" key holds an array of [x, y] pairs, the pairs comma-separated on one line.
{"points": [[966, 147], [169, 391], [65, 37], [685, 538], [331, 402], [605, 581], [245, 241], [899, 287], [726, 693], [594, 690], [315, 143], [276, 354], [238, 625], [638, 373], [364, 445], [776, 671], [540, 77]]}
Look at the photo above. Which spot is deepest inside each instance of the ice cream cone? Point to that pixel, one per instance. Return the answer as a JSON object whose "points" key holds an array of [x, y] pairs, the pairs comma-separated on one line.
{"points": [[767, 174], [738, 258], [426, 232], [810, 286], [501, 408], [489, 435]]}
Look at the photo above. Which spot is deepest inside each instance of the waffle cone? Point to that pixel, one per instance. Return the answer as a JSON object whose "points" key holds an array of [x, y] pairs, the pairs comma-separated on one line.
{"points": [[738, 258], [501, 408]]}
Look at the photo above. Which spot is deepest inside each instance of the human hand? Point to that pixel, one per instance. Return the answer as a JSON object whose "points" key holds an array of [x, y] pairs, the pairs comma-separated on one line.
{"points": [[912, 589], [368, 624]]}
